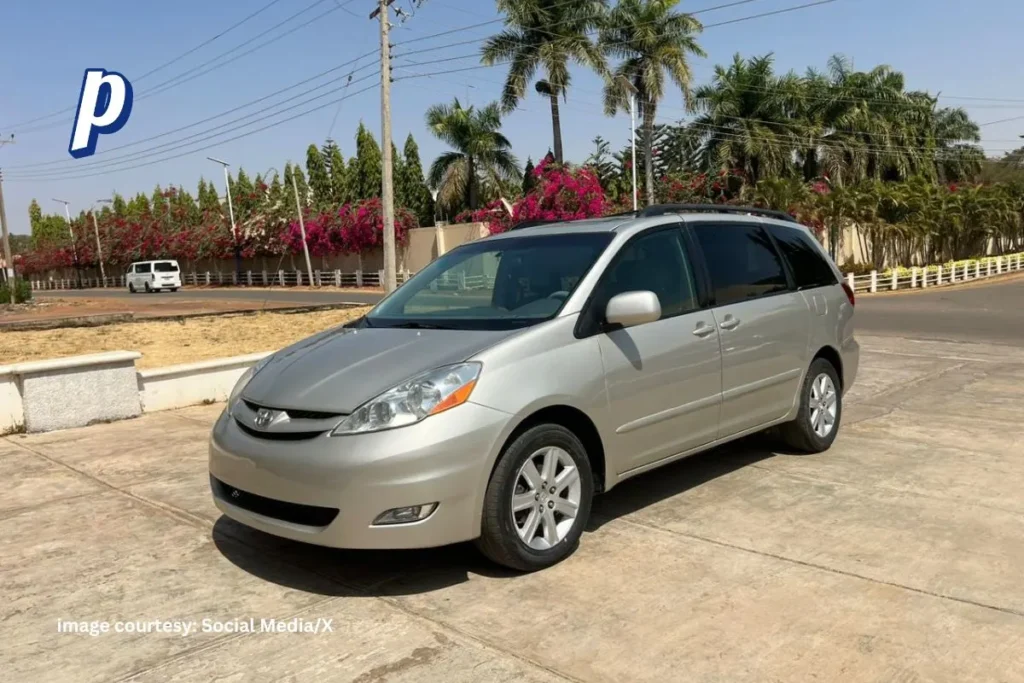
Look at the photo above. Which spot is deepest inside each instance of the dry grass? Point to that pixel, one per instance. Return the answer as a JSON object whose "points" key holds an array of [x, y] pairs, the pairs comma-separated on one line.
{"points": [[169, 342]]}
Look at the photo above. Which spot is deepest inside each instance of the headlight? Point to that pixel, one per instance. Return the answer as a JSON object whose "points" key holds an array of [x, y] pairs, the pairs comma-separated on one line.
{"points": [[244, 380], [413, 400]]}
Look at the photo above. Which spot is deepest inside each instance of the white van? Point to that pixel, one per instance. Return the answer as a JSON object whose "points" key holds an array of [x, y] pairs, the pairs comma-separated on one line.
{"points": [[152, 276]]}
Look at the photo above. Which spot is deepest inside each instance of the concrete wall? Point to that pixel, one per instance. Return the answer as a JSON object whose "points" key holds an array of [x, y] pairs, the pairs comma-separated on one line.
{"points": [[41, 396], [190, 384]]}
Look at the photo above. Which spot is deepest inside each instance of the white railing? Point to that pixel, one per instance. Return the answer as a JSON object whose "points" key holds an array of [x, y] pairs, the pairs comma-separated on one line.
{"points": [[249, 278], [918, 277]]}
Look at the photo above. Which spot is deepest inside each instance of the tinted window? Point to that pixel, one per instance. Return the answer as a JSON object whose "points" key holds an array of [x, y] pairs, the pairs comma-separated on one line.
{"points": [[810, 269], [656, 263], [165, 267], [143, 267], [741, 261]]}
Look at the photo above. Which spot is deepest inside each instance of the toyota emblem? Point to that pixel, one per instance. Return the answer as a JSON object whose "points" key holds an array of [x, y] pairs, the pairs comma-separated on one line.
{"points": [[263, 417], [235, 493]]}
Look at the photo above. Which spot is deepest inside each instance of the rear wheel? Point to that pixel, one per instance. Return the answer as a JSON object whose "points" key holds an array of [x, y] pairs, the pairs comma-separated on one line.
{"points": [[821, 409], [538, 500]]}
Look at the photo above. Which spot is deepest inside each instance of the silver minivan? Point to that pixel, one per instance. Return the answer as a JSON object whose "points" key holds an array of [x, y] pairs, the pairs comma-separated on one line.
{"points": [[492, 396]]}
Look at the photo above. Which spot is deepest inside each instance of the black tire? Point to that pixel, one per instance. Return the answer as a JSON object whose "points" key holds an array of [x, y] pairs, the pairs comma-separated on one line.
{"points": [[149, 290], [174, 289], [131, 288], [799, 434], [499, 540]]}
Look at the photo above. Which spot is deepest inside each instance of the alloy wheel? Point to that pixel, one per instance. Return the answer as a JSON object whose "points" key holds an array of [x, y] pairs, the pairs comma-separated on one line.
{"points": [[823, 404], [546, 498]]}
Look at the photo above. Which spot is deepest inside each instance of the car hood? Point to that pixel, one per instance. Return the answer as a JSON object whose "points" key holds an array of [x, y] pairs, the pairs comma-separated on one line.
{"points": [[338, 370]]}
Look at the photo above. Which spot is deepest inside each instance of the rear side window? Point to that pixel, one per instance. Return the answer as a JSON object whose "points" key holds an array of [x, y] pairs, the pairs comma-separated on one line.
{"points": [[741, 261], [166, 267], [143, 267], [809, 266]]}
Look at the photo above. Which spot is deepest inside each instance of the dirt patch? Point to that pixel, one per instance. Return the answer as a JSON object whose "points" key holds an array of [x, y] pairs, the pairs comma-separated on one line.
{"points": [[171, 342], [142, 306]]}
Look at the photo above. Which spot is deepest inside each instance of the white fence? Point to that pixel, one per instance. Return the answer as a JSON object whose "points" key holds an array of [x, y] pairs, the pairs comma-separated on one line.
{"points": [[932, 276], [249, 278]]}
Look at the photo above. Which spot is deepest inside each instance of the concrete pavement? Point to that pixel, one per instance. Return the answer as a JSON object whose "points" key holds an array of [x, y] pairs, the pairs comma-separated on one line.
{"points": [[896, 556]]}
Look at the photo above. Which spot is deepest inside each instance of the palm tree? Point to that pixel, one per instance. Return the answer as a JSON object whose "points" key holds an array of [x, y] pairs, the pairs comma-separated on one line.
{"points": [[745, 119], [482, 157], [651, 39], [545, 35]]}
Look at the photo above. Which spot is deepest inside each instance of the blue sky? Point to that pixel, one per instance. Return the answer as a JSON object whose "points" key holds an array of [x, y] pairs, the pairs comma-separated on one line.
{"points": [[959, 49]]}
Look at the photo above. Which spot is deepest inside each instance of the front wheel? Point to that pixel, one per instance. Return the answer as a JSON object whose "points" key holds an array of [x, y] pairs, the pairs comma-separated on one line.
{"points": [[131, 288], [821, 409], [538, 500], [174, 289]]}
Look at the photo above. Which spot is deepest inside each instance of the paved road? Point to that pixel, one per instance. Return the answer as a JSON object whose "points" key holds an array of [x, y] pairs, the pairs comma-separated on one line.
{"points": [[990, 312], [298, 297], [985, 312]]}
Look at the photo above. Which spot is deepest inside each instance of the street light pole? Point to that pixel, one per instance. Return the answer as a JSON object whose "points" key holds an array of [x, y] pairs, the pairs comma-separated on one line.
{"points": [[387, 181], [96, 232], [74, 249], [231, 213]]}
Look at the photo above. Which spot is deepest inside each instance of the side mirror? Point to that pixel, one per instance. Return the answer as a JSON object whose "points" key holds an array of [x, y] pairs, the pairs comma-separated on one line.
{"points": [[633, 308]]}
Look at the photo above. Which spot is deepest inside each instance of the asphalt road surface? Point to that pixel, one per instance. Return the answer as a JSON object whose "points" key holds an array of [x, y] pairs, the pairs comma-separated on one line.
{"points": [[989, 311]]}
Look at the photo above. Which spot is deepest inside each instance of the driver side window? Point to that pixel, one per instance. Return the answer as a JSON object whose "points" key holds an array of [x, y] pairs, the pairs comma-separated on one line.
{"points": [[655, 262]]}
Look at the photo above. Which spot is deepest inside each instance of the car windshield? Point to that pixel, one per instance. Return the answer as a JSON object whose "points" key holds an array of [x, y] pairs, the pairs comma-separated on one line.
{"points": [[165, 267], [493, 284]]}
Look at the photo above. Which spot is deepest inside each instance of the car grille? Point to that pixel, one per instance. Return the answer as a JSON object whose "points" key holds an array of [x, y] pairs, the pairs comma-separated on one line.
{"points": [[277, 436], [295, 513], [295, 414]]}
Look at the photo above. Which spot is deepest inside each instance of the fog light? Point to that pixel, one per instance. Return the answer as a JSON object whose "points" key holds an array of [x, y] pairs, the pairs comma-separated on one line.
{"points": [[412, 513]]}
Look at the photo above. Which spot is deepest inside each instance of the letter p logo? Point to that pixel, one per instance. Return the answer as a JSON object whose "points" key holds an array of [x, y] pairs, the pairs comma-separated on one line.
{"points": [[103, 107]]}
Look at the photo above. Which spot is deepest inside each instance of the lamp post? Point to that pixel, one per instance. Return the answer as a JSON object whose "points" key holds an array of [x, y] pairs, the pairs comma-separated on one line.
{"points": [[71, 232], [231, 213], [96, 232]]}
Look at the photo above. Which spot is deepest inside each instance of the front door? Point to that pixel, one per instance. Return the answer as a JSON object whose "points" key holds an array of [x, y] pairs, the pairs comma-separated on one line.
{"points": [[763, 322], [663, 378]]}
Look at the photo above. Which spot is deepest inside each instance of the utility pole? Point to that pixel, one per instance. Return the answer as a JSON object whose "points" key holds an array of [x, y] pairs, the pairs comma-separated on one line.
{"points": [[632, 130], [302, 229], [8, 259], [74, 249], [231, 214], [387, 182], [96, 231]]}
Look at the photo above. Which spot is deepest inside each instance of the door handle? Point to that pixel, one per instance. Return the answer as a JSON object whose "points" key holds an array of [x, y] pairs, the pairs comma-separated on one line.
{"points": [[703, 330], [729, 324]]}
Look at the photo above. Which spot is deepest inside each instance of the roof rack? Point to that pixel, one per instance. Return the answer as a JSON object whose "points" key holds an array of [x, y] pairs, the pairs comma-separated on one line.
{"points": [[663, 209], [540, 221]]}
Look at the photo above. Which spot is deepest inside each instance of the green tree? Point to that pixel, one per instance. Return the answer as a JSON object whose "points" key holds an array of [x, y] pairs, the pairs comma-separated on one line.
{"points": [[481, 159], [319, 178], [207, 196], [652, 40], [336, 168], [529, 182], [529, 45], [365, 168], [48, 231], [413, 188]]}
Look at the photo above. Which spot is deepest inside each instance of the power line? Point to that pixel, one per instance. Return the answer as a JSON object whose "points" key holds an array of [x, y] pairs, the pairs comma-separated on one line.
{"points": [[107, 166], [201, 45], [66, 161], [185, 76], [220, 142]]}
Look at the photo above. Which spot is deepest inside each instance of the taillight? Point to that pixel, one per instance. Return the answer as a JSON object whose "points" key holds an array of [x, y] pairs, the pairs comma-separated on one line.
{"points": [[849, 294]]}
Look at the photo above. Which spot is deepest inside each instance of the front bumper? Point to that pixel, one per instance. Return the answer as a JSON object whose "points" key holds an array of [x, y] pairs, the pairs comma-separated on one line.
{"points": [[445, 459]]}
